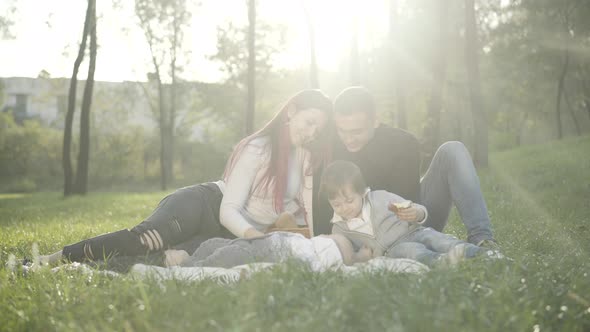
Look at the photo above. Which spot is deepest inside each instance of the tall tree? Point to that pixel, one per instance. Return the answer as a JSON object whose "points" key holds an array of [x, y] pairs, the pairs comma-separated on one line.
{"points": [[232, 56], [314, 81], [81, 185], [250, 111], [480, 125], [355, 62], [530, 41], [571, 111], [565, 19], [163, 22], [395, 42], [6, 23], [67, 140], [431, 135]]}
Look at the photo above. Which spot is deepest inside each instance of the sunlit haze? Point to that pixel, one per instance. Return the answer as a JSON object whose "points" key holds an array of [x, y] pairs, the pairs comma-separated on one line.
{"points": [[47, 34]]}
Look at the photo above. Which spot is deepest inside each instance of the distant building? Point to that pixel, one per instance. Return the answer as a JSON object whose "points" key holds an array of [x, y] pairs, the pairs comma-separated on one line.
{"points": [[29, 98], [46, 99], [115, 105]]}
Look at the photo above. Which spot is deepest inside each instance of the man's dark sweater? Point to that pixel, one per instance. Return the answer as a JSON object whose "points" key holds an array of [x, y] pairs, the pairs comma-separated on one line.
{"points": [[390, 161]]}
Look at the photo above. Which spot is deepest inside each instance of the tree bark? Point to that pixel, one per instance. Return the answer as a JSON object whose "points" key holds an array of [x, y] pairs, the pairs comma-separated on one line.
{"points": [[480, 126], [521, 128], [560, 84], [173, 97], [69, 119], [161, 118], [81, 186], [249, 120], [398, 87], [562, 75], [314, 81], [586, 94], [355, 64], [163, 132], [571, 111], [431, 134]]}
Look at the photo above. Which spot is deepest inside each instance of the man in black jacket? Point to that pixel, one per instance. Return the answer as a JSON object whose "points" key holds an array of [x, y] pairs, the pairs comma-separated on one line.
{"points": [[389, 159]]}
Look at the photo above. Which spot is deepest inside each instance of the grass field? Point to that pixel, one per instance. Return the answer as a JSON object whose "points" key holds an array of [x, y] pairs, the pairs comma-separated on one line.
{"points": [[539, 201]]}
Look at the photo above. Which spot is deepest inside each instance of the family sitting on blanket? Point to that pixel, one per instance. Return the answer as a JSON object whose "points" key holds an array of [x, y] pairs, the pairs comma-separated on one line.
{"points": [[277, 170], [364, 226]]}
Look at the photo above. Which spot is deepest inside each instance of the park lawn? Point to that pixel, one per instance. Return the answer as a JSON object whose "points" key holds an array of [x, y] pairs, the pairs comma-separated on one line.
{"points": [[538, 197]]}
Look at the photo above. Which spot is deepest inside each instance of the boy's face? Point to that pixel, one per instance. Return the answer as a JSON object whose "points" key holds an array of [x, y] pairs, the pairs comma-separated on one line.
{"points": [[348, 204]]}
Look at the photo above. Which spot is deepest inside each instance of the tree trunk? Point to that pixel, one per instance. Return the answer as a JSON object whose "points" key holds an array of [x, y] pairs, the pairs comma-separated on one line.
{"points": [[562, 76], [480, 126], [431, 134], [586, 94], [171, 133], [521, 128], [69, 119], [571, 111], [161, 33], [81, 186], [355, 64], [560, 84], [251, 67], [314, 81], [163, 133], [161, 108], [398, 87]]}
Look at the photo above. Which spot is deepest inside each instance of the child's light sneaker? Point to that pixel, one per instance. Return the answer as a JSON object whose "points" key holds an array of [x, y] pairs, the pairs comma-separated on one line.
{"points": [[454, 256], [457, 254]]}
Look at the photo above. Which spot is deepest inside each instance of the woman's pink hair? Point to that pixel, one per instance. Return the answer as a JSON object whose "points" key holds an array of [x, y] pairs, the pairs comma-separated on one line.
{"points": [[277, 129]]}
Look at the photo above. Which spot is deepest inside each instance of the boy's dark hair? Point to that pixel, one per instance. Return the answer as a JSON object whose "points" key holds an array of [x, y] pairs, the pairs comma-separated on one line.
{"points": [[354, 99], [340, 174]]}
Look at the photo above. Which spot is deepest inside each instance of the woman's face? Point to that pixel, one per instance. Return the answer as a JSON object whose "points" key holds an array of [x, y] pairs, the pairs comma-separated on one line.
{"points": [[305, 125]]}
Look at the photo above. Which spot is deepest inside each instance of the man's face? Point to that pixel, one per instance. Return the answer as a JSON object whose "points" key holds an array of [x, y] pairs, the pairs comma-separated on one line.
{"points": [[355, 130]]}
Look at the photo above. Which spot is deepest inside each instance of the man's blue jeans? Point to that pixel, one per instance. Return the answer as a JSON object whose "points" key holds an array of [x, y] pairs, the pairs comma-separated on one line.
{"points": [[451, 179]]}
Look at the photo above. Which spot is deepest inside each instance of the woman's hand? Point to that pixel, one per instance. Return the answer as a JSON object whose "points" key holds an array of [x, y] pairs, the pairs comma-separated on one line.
{"points": [[252, 232]]}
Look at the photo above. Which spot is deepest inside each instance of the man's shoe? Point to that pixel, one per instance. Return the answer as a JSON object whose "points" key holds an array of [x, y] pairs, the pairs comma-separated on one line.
{"points": [[491, 249]]}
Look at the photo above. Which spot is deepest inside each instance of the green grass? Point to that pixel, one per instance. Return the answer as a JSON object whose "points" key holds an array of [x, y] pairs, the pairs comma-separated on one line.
{"points": [[538, 200]]}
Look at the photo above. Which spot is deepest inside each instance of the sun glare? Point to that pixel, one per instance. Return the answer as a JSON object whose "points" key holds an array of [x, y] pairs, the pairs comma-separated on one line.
{"points": [[333, 24], [123, 53]]}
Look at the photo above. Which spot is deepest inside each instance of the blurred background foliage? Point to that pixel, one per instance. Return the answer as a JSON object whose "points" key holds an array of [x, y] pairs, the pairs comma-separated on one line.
{"points": [[534, 63]]}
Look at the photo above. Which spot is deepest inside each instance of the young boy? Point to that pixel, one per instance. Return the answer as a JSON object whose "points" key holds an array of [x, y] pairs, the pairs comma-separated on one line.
{"points": [[320, 252], [384, 222]]}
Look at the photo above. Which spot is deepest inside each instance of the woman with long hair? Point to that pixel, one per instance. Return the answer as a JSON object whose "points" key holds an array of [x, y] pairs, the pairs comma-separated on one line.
{"points": [[268, 174]]}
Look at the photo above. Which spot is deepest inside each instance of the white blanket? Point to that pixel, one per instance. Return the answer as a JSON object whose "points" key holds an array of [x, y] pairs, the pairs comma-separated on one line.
{"points": [[224, 276]]}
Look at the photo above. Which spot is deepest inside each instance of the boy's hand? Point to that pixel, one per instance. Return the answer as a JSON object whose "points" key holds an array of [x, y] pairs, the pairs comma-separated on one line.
{"points": [[363, 254], [175, 257], [406, 211]]}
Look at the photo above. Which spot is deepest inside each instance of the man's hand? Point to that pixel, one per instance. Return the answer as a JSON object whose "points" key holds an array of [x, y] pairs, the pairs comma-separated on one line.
{"points": [[407, 211]]}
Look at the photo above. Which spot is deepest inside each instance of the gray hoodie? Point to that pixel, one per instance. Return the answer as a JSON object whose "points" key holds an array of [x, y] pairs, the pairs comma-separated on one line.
{"points": [[388, 229]]}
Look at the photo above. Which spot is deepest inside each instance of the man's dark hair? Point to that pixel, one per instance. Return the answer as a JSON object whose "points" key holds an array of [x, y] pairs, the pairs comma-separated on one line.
{"points": [[354, 99], [340, 174]]}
